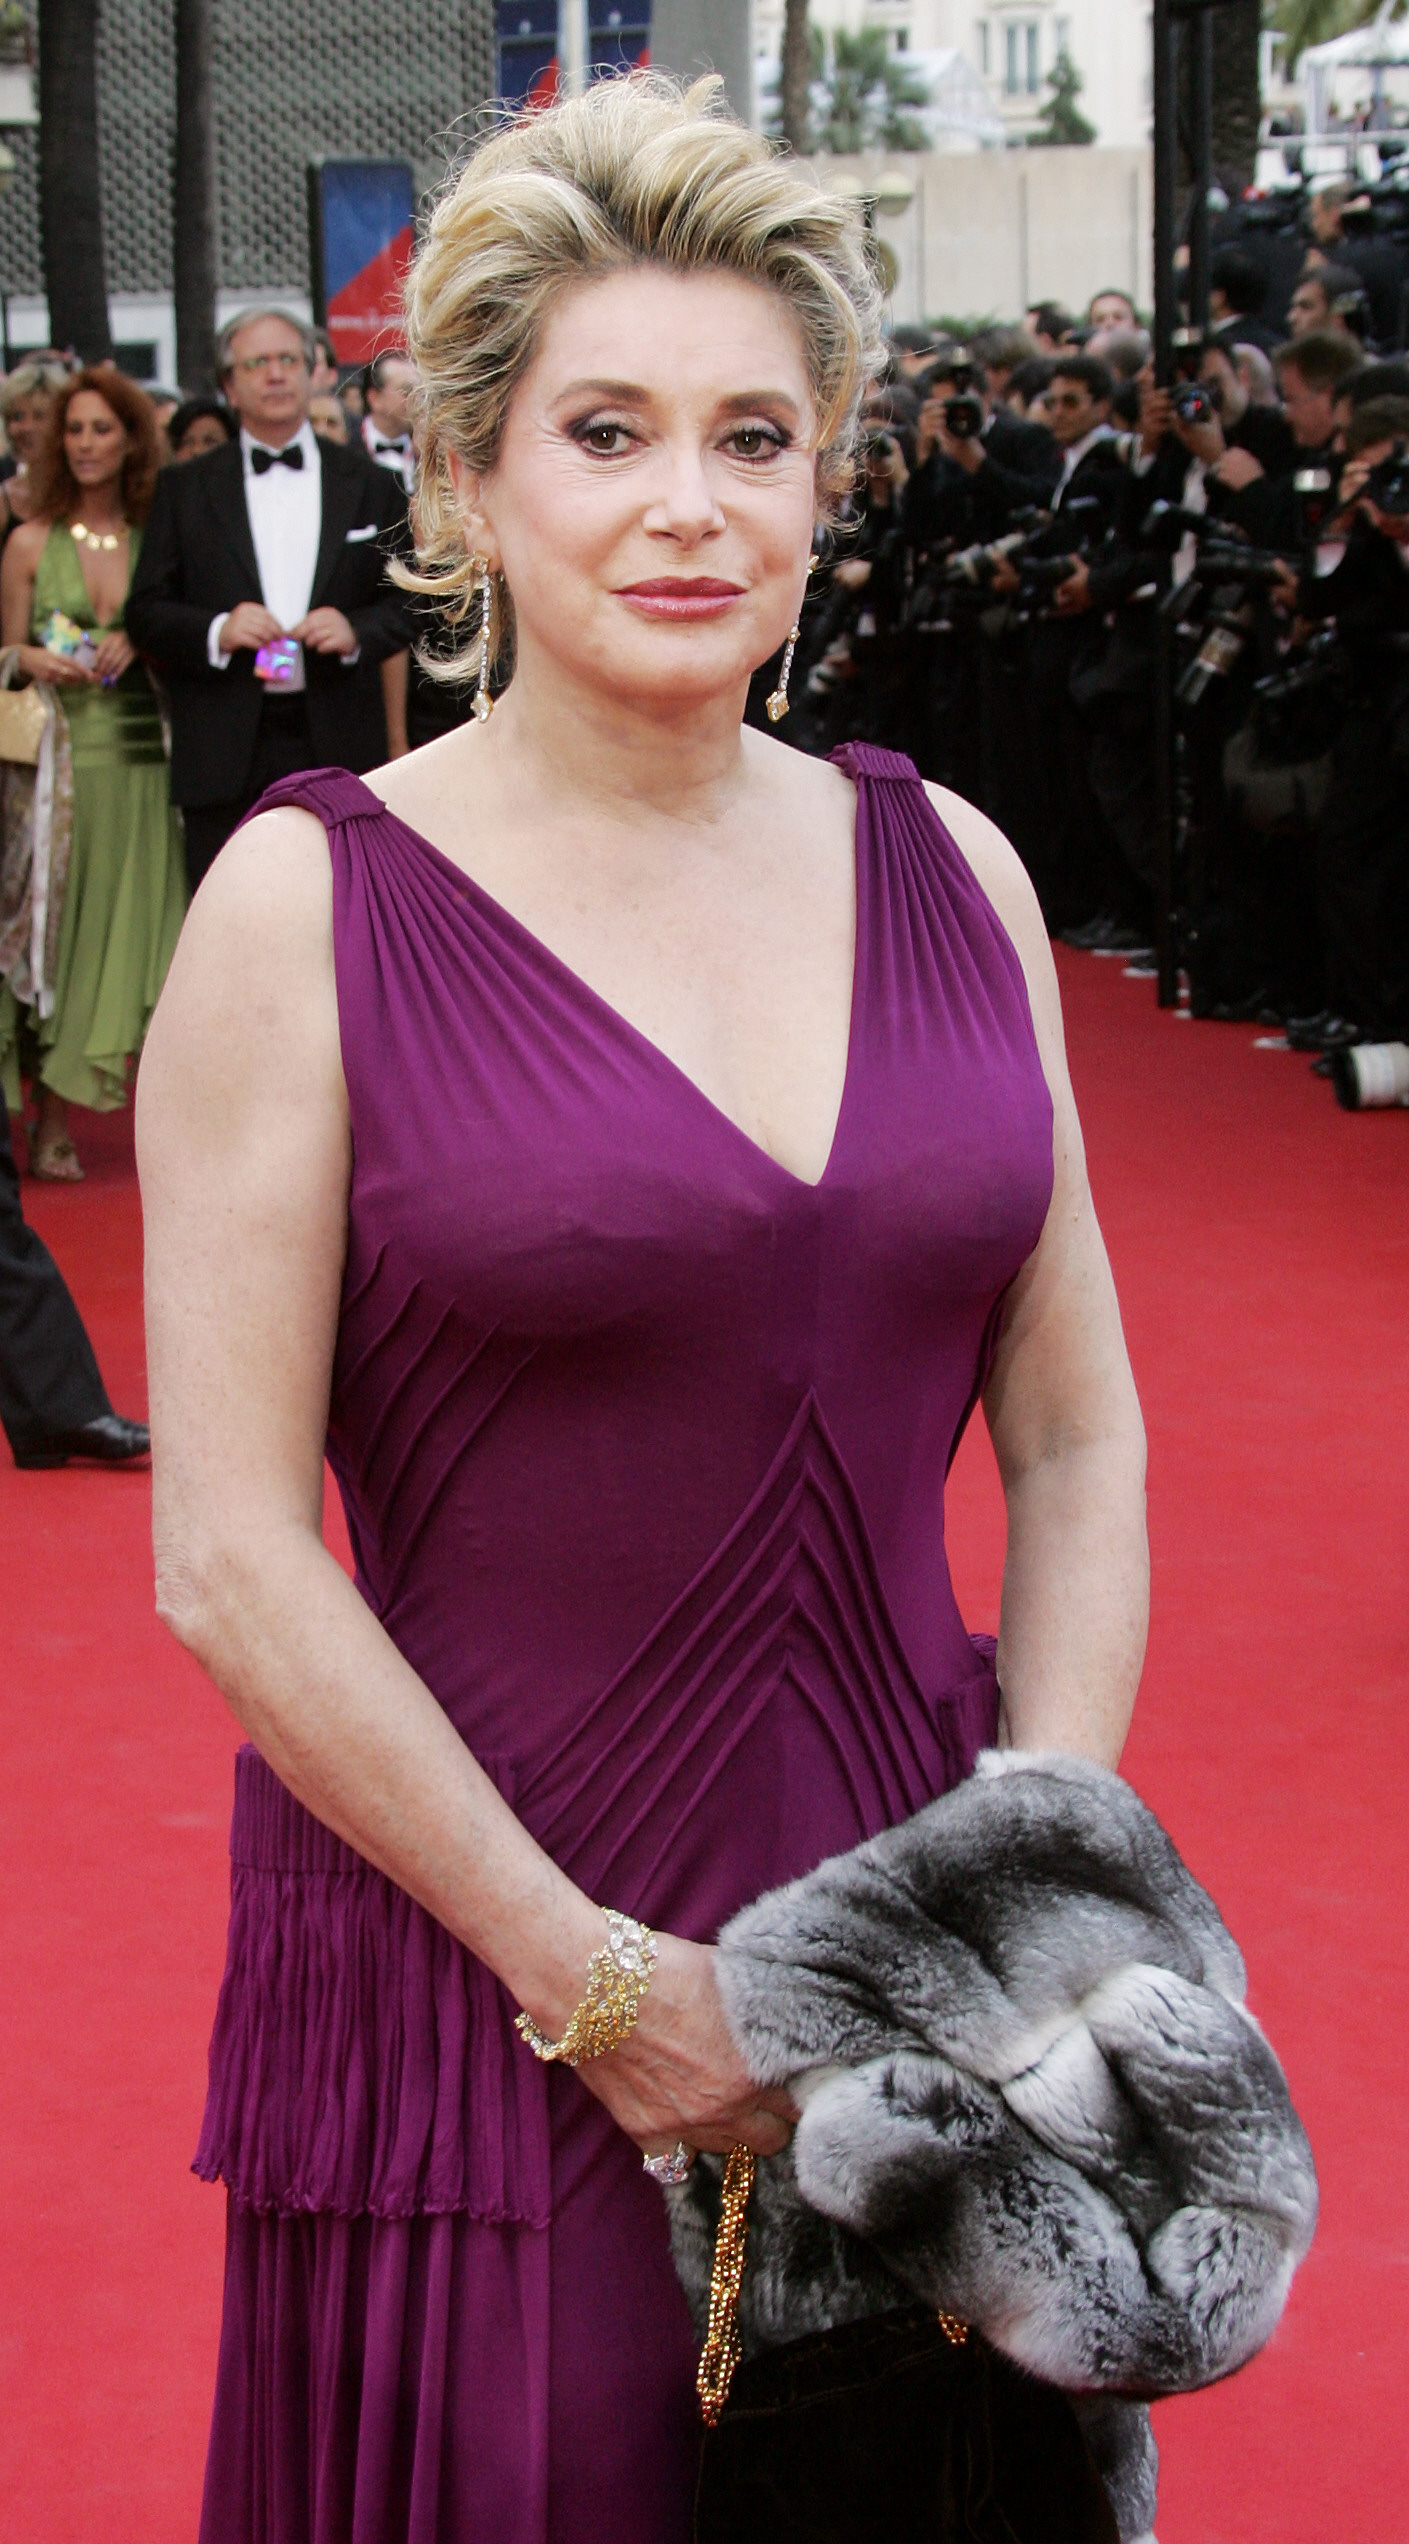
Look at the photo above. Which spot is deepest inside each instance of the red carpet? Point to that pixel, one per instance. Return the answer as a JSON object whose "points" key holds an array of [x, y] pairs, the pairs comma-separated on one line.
{"points": [[1261, 1243]]}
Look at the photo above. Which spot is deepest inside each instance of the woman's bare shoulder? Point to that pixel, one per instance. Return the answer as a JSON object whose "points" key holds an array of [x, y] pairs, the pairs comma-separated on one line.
{"points": [[26, 542], [253, 969]]}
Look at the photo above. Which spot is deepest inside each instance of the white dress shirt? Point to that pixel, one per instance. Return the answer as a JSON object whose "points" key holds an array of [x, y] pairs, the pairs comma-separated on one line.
{"points": [[285, 507], [1075, 452], [388, 452]]}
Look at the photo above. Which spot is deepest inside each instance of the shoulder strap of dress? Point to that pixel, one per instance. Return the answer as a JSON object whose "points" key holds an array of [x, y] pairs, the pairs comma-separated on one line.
{"points": [[867, 762], [333, 795]]}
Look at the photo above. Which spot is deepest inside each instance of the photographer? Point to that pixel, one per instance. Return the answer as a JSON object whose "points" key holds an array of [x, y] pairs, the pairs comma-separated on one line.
{"points": [[1056, 818], [975, 463], [1362, 857], [976, 466], [856, 676]]}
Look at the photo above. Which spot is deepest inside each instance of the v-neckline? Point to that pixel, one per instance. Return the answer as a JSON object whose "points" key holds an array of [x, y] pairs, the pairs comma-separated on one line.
{"points": [[499, 914], [100, 626]]}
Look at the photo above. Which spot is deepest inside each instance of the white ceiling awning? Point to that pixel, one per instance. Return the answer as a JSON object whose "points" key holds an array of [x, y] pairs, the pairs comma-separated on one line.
{"points": [[959, 100], [1383, 45]]}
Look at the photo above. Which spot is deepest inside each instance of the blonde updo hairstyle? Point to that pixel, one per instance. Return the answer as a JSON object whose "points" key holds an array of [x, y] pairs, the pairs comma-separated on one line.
{"points": [[639, 170]]}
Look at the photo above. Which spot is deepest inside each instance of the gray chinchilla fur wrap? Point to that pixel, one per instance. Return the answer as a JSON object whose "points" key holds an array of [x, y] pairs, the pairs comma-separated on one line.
{"points": [[1031, 2095]]}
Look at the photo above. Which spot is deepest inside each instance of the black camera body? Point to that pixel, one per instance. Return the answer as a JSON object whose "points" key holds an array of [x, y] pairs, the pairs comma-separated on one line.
{"points": [[1388, 482], [963, 417], [1194, 402]]}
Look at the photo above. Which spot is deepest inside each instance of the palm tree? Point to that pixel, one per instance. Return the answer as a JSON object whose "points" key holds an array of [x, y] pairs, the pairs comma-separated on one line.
{"points": [[864, 94], [70, 200], [1305, 22], [193, 195]]}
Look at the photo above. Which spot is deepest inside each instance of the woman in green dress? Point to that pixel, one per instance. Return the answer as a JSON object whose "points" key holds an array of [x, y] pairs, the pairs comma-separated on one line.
{"points": [[63, 590]]}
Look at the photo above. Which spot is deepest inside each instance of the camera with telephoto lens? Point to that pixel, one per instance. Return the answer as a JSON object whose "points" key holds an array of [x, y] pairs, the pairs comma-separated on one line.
{"points": [[1186, 347], [963, 417], [1194, 402], [881, 442], [1388, 482], [1297, 712], [976, 566], [1046, 574]]}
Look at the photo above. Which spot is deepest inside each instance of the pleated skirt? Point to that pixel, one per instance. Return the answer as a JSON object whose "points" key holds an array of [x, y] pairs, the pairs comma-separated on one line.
{"points": [[388, 2380]]}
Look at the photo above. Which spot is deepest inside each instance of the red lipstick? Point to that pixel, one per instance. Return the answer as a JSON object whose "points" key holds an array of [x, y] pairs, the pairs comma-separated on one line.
{"points": [[681, 596]]}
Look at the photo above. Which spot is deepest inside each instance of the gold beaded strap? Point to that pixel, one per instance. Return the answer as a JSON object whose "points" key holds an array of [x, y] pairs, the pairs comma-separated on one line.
{"points": [[618, 1976], [723, 2347]]}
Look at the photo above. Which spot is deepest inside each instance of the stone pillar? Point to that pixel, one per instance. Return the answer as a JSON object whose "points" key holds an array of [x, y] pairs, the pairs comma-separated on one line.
{"points": [[688, 36]]}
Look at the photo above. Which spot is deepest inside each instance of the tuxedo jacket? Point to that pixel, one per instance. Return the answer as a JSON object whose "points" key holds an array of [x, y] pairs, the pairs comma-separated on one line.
{"points": [[198, 558]]}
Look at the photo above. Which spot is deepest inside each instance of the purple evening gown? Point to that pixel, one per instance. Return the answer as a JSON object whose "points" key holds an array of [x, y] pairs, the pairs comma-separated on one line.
{"points": [[642, 1443]]}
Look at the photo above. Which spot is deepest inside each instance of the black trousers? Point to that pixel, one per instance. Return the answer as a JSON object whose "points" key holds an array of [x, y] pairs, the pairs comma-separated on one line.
{"points": [[1362, 868], [282, 748], [48, 1376]]}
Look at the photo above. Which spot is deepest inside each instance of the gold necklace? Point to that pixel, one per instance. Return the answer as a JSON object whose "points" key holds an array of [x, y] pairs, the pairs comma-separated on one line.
{"points": [[87, 538]]}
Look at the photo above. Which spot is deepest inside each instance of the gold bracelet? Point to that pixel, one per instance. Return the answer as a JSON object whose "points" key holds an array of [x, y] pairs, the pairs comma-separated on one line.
{"points": [[618, 1976]]}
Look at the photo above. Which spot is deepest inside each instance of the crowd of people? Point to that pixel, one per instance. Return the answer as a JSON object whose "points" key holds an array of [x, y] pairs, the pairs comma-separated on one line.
{"points": [[1044, 541], [196, 591], [1049, 561]]}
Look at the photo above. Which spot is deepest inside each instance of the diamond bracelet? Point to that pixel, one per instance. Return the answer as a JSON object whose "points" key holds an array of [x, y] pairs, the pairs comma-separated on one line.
{"points": [[618, 1976]]}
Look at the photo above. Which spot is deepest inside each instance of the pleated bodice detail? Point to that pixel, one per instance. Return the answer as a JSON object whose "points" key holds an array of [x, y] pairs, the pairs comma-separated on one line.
{"points": [[642, 1443]]}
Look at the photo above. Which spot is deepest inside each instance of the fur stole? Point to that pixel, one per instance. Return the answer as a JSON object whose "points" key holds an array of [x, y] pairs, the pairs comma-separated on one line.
{"points": [[1032, 2095]]}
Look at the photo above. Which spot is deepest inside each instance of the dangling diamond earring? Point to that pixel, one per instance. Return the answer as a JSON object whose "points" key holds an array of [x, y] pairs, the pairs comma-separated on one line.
{"points": [[777, 699], [777, 702], [483, 704]]}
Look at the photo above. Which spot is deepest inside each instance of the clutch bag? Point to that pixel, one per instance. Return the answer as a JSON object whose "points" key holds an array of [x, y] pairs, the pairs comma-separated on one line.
{"points": [[894, 2428], [22, 721], [905, 2426]]}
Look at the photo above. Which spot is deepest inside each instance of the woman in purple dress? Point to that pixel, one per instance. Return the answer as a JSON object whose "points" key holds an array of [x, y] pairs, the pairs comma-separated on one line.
{"points": [[630, 1149]]}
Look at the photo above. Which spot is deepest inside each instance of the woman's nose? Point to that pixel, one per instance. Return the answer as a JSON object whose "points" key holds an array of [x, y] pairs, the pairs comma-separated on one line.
{"points": [[685, 502]]}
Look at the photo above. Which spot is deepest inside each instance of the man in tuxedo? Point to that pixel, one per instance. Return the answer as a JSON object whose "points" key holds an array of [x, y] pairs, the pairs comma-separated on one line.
{"points": [[53, 1404], [387, 384], [277, 537]]}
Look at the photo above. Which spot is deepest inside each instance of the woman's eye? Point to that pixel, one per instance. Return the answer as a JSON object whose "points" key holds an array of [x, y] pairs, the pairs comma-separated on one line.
{"points": [[754, 441], [605, 441]]}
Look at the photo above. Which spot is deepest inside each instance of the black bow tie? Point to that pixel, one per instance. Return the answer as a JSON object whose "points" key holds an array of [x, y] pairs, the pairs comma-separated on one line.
{"points": [[397, 447], [291, 456]]}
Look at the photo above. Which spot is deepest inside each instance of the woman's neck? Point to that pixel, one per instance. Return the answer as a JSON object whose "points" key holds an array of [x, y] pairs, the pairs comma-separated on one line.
{"points": [[100, 507], [561, 738]]}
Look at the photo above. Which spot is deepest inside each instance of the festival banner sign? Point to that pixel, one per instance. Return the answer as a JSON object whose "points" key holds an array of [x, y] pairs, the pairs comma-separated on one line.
{"points": [[361, 223]]}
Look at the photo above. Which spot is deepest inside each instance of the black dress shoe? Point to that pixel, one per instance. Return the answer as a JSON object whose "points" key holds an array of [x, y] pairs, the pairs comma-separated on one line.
{"points": [[108, 1441], [1325, 1032], [1091, 936]]}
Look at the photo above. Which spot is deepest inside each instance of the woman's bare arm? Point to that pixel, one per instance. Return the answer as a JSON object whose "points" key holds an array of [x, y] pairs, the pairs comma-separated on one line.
{"points": [[23, 550], [1062, 1411], [243, 1146]]}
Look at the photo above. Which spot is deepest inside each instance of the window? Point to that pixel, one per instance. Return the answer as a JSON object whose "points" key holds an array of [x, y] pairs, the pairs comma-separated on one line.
{"points": [[1061, 38], [902, 39], [1022, 57], [983, 61]]}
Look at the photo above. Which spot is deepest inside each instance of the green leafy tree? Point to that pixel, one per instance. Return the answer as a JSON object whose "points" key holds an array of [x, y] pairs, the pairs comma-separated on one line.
{"points": [[1062, 123], [864, 95]]}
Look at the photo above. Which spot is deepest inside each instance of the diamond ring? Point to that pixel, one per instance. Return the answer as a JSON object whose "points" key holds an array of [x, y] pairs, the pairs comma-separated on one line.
{"points": [[671, 2169]]}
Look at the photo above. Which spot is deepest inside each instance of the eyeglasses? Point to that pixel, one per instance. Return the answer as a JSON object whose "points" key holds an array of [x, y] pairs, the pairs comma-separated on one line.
{"points": [[270, 362]]}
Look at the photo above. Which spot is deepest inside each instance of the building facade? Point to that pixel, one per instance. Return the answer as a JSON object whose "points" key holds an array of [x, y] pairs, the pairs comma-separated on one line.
{"points": [[1014, 47], [296, 80]]}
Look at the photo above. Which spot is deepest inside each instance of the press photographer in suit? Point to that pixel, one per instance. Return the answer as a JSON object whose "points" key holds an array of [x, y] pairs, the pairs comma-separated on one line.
{"points": [[262, 595]]}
